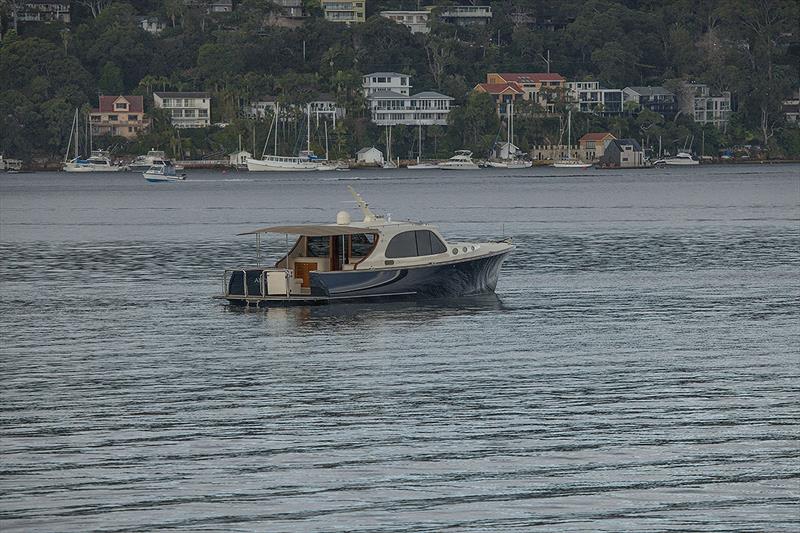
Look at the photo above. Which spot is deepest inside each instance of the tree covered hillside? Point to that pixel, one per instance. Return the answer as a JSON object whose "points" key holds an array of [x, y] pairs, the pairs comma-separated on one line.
{"points": [[747, 47]]}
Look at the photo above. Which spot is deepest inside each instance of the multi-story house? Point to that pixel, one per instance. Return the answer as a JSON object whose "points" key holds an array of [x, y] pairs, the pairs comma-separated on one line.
{"points": [[152, 25], [544, 89], [656, 99], [386, 81], [212, 6], [589, 97], [592, 145], [323, 107], [416, 21], [696, 101], [119, 115], [288, 13], [465, 15], [390, 101], [41, 11], [504, 95], [187, 109], [346, 12]]}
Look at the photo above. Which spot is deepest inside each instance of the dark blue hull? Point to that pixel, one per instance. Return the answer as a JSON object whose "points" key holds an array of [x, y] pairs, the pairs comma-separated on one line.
{"points": [[462, 278]]}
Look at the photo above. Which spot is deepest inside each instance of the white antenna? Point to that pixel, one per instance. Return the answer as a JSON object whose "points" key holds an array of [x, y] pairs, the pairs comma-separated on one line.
{"points": [[369, 216]]}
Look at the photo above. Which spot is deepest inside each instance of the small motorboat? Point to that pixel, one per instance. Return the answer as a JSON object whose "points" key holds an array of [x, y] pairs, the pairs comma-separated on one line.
{"points": [[374, 259], [162, 171]]}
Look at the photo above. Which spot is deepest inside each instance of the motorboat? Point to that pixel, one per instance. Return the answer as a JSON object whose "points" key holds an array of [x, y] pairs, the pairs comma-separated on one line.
{"points": [[376, 258], [681, 159], [462, 160], [571, 163], [495, 164], [144, 162], [519, 163], [162, 171], [98, 161]]}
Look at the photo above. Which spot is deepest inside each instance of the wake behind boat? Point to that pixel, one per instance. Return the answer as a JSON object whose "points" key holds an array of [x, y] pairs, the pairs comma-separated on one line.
{"points": [[372, 259]]}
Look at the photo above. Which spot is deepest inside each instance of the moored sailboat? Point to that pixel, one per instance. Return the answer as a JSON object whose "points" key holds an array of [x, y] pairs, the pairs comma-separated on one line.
{"points": [[569, 161]]}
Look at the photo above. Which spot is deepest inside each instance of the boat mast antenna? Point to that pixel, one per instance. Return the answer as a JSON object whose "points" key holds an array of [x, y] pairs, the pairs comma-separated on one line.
{"points": [[369, 216]]}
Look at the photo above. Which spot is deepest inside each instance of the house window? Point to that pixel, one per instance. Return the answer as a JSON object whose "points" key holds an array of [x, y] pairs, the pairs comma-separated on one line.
{"points": [[113, 118], [133, 118], [120, 106]]}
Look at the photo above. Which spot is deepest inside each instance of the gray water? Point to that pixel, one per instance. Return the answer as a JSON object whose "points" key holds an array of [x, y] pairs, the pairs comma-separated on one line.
{"points": [[637, 370]]}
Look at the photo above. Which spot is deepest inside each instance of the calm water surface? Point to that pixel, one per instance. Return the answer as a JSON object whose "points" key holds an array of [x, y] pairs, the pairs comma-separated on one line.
{"points": [[638, 369]]}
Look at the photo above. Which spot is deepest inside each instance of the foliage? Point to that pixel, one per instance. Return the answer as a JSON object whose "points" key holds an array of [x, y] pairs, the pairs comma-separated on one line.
{"points": [[747, 47]]}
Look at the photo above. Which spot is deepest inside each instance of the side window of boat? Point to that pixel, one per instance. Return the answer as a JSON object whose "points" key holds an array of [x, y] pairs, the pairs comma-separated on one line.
{"points": [[437, 246], [415, 243], [402, 245], [318, 246], [361, 244]]}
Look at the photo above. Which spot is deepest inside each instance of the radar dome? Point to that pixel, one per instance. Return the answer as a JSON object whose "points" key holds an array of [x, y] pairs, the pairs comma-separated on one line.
{"points": [[343, 218]]}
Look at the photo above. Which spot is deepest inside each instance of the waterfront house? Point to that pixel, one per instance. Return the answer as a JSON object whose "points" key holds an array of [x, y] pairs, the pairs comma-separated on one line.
{"points": [[695, 100], [656, 99], [504, 95], [121, 115], [239, 159], [186, 109], [416, 21], [287, 14], [589, 97], [386, 81], [542, 88], [41, 11], [370, 156], [592, 145], [391, 103], [465, 15], [344, 12], [623, 153]]}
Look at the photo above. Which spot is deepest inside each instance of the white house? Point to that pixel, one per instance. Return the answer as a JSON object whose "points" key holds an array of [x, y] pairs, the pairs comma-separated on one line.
{"points": [[152, 25], [466, 15], [390, 101], [589, 97], [695, 100], [239, 159], [187, 109], [370, 156], [416, 21], [386, 81]]}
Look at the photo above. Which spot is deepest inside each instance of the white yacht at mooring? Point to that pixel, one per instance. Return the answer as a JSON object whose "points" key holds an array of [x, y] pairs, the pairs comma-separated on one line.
{"points": [[681, 159], [304, 161], [144, 162], [376, 258], [462, 160]]}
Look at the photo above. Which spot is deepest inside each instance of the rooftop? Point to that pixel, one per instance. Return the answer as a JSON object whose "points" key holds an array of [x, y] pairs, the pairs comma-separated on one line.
{"points": [[650, 91], [531, 77], [180, 94], [596, 137], [500, 88], [136, 104]]}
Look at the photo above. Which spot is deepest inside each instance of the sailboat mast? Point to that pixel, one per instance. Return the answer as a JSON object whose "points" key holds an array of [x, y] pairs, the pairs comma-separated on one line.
{"points": [[419, 157], [277, 113], [308, 127], [326, 141], [76, 133], [569, 133], [69, 143]]}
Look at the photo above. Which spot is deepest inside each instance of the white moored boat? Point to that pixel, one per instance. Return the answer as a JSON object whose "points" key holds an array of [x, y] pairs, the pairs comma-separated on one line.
{"points": [[569, 161], [461, 161], [364, 261], [163, 170], [304, 161], [681, 159], [98, 161], [144, 162]]}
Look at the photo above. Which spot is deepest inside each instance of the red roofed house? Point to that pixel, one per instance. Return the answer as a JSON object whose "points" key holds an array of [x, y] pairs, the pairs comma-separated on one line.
{"points": [[119, 115], [542, 88], [503, 94], [593, 145]]}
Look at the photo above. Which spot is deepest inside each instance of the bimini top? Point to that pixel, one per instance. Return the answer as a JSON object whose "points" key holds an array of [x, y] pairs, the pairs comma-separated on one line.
{"points": [[313, 230]]}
